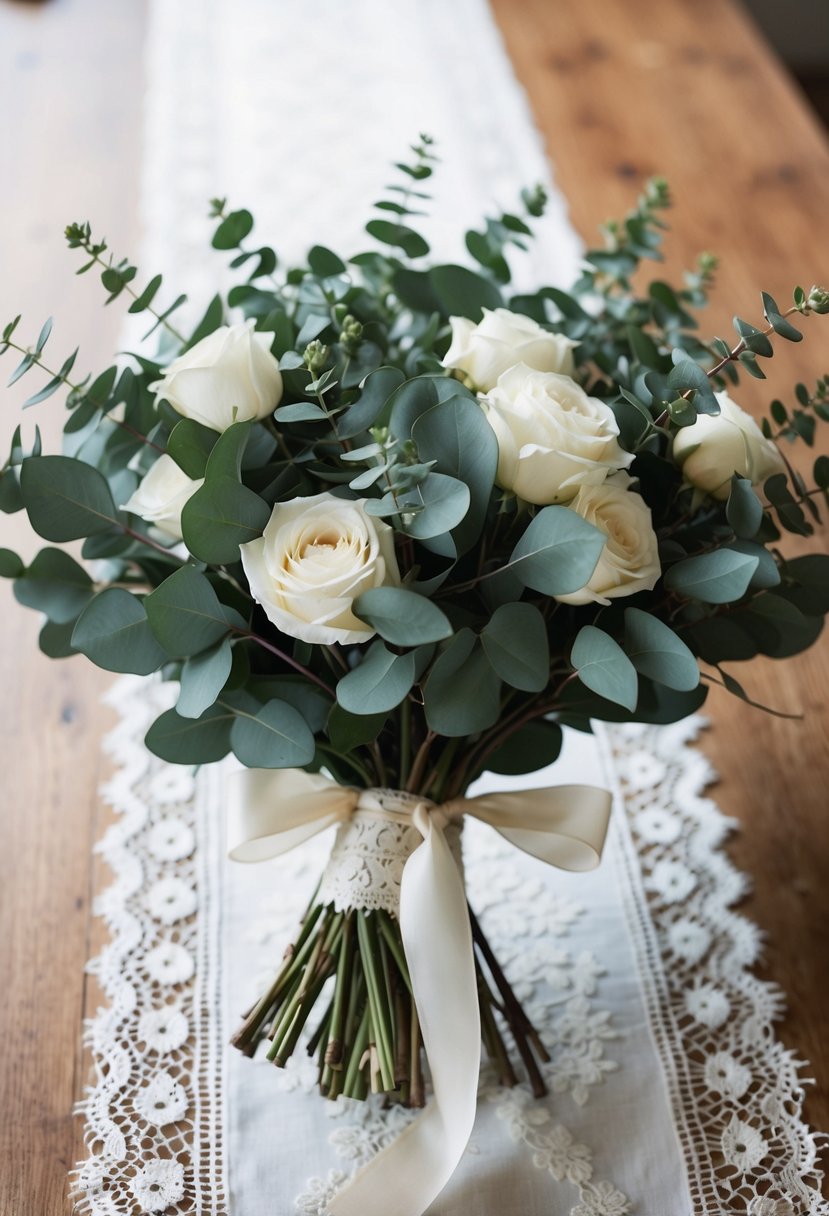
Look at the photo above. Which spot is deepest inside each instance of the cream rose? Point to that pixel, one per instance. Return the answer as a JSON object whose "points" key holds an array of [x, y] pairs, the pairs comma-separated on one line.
{"points": [[552, 437], [483, 352], [717, 446], [629, 561], [161, 495], [230, 376], [315, 557]]}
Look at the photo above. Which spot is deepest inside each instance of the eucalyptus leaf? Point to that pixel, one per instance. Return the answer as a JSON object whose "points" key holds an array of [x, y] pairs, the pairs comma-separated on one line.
{"points": [[657, 652], [515, 642], [66, 499], [191, 740], [186, 616], [531, 748], [557, 553], [202, 679], [402, 617], [719, 577], [276, 736], [604, 667], [55, 584], [220, 517], [113, 631], [378, 683], [462, 692], [457, 437], [744, 509], [190, 445]]}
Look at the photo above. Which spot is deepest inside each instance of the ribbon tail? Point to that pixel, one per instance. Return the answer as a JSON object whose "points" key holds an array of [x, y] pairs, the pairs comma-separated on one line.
{"points": [[437, 939]]}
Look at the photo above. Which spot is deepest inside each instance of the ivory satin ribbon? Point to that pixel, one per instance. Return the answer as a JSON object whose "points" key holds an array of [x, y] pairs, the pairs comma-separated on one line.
{"points": [[272, 811]]}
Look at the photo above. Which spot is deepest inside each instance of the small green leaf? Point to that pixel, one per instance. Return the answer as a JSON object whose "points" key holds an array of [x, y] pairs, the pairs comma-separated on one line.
{"points": [[744, 509], [378, 683], [349, 731], [402, 617], [190, 445], [54, 584], [191, 740], [220, 517], [657, 652], [462, 692], [114, 633], [11, 566], [720, 577], [604, 667], [65, 498], [186, 616], [276, 736], [531, 748], [399, 236], [202, 679], [233, 230], [515, 642], [324, 263], [557, 553]]}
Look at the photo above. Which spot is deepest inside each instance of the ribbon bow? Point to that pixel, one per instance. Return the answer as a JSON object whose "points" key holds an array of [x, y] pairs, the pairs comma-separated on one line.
{"points": [[272, 811]]}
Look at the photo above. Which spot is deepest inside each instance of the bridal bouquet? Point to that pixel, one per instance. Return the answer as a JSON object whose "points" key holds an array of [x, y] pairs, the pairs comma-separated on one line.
{"points": [[390, 525]]}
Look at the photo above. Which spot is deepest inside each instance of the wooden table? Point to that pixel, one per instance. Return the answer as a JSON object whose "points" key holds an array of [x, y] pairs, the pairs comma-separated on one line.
{"points": [[620, 91]]}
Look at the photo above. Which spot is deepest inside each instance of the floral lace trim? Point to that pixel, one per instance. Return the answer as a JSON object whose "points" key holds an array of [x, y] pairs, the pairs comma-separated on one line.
{"points": [[152, 1111], [737, 1093]]}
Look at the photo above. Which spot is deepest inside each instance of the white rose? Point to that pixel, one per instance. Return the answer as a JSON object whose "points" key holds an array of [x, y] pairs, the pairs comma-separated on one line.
{"points": [[485, 351], [629, 561], [230, 376], [552, 437], [316, 556], [717, 446], [161, 495]]}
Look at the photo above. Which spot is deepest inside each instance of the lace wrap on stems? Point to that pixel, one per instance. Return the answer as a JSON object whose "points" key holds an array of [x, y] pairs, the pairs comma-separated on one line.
{"points": [[370, 850]]}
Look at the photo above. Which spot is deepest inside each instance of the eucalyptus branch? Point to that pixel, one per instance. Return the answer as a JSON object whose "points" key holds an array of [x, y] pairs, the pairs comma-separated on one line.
{"points": [[116, 277], [57, 378]]}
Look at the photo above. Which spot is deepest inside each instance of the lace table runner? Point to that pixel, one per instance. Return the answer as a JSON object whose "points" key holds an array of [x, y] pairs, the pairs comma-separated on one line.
{"points": [[669, 1095]]}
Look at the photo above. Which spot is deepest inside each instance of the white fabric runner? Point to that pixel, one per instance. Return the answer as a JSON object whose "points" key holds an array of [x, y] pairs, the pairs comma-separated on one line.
{"points": [[669, 1094]]}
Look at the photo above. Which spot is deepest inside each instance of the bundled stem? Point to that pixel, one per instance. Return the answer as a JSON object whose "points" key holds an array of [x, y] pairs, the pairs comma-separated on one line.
{"points": [[350, 967]]}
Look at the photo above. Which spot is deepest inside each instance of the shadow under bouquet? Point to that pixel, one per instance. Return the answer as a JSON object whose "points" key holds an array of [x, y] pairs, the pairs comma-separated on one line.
{"points": [[391, 525]]}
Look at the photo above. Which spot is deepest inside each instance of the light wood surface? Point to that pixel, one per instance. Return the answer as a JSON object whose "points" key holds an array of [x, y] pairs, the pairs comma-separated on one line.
{"points": [[620, 90]]}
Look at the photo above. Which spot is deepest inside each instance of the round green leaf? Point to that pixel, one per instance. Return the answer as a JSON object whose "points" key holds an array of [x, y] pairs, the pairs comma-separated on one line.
{"points": [[277, 736], [744, 509], [515, 642], [457, 437], [190, 444], [657, 652], [402, 617], [378, 683], [186, 616], [531, 748], [114, 633], [462, 692], [65, 498], [191, 740], [604, 667], [719, 577], [54, 584], [202, 679], [557, 553], [220, 517], [442, 503], [11, 566]]}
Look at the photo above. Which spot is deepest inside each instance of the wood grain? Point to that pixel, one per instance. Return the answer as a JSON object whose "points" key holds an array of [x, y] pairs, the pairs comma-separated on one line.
{"points": [[620, 91], [689, 91], [70, 93]]}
